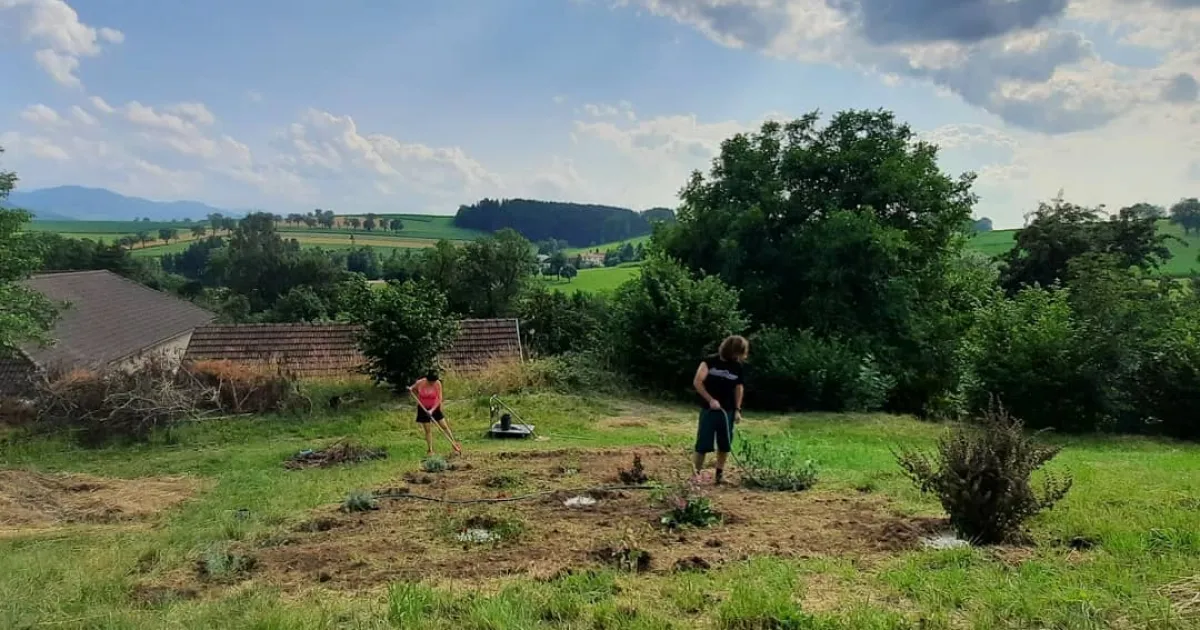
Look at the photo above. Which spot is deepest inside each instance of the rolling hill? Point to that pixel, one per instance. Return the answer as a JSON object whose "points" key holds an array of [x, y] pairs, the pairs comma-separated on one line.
{"points": [[98, 204]]}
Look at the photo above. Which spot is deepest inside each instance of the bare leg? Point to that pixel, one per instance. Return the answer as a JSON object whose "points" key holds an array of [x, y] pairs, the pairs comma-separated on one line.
{"points": [[698, 463], [721, 457], [428, 438], [450, 434]]}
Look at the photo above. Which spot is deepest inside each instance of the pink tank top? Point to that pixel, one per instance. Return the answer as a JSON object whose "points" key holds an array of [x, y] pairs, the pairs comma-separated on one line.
{"points": [[428, 395]]}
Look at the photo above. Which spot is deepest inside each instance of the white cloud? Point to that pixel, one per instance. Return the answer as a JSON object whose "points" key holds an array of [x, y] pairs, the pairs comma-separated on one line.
{"points": [[37, 146], [101, 105], [196, 112], [64, 39], [41, 115], [59, 66], [322, 144], [80, 115], [1031, 75], [254, 96]]}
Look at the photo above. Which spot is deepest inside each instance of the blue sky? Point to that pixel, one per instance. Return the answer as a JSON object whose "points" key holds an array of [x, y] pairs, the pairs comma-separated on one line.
{"points": [[418, 107]]}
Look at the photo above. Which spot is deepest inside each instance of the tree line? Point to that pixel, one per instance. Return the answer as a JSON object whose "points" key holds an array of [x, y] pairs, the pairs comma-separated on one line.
{"points": [[579, 225]]}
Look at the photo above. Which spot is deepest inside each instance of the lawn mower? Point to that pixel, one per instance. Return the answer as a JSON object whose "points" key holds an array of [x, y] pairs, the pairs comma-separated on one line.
{"points": [[502, 421]]}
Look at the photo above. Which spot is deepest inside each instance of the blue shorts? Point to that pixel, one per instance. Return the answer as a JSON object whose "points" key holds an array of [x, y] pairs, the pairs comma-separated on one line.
{"points": [[715, 432]]}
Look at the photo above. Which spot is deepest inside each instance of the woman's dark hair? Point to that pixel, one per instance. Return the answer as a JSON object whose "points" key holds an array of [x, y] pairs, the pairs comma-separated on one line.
{"points": [[734, 348], [431, 376]]}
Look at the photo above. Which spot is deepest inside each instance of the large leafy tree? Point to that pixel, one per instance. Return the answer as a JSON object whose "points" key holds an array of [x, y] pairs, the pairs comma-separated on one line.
{"points": [[405, 328], [845, 229], [1186, 214], [1060, 232], [25, 315], [494, 270]]}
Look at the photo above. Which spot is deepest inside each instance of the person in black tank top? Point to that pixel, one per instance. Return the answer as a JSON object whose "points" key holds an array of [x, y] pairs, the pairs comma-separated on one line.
{"points": [[720, 384]]}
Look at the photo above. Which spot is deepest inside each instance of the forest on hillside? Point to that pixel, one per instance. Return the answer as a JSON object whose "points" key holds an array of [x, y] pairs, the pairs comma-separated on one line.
{"points": [[578, 224]]}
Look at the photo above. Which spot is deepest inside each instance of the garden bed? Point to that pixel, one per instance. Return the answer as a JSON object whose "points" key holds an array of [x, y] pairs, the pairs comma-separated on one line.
{"points": [[407, 539]]}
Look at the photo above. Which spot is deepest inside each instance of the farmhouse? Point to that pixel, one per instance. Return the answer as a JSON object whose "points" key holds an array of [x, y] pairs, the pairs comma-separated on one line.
{"points": [[591, 259], [331, 351], [109, 322]]}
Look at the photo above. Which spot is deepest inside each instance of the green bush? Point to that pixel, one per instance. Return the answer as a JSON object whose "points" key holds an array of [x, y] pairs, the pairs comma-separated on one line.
{"points": [[796, 370], [555, 323], [1166, 385], [665, 321], [1035, 355], [983, 476], [588, 372], [405, 328], [771, 466]]}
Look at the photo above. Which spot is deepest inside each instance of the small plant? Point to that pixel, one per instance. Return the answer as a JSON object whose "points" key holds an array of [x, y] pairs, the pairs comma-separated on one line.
{"points": [[218, 563], [686, 507], [360, 501], [634, 475], [503, 480], [773, 467], [982, 475], [487, 528], [434, 464]]}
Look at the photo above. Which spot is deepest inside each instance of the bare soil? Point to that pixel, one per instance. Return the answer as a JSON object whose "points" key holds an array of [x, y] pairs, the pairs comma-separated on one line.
{"points": [[31, 500], [408, 539]]}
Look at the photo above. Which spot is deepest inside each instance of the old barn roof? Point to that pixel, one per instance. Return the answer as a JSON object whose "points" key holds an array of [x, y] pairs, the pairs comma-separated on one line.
{"points": [[482, 341], [308, 350], [108, 318], [330, 350]]}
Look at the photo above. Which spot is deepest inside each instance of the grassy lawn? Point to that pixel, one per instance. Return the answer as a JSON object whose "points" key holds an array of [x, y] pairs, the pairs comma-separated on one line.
{"points": [[1105, 557], [593, 280]]}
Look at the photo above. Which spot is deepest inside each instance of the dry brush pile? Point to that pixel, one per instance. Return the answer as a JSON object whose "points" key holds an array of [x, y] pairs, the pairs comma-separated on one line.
{"points": [[101, 406]]}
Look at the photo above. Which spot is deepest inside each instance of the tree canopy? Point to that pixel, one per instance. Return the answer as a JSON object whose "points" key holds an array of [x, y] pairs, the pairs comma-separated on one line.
{"points": [[578, 224], [25, 314]]}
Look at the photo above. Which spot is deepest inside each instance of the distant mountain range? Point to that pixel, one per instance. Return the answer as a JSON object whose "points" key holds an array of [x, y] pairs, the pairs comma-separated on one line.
{"points": [[64, 203]]}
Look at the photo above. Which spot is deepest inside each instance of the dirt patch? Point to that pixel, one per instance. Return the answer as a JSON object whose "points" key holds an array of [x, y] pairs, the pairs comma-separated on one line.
{"points": [[31, 500], [406, 539], [624, 558]]}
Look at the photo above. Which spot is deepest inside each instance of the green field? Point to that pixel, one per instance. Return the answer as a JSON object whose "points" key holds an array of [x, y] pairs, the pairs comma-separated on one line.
{"points": [[572, 251], [593, 280], [418, 232], [1121, 551], [428, 226]]}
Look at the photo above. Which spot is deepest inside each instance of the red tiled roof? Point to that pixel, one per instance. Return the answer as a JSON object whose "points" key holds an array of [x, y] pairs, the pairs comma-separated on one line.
{"points": [[308, 350], [483, 341], [330, 350]]}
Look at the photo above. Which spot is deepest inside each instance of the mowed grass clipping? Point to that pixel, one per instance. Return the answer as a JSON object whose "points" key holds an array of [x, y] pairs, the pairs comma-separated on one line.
{"points": [[1118, 552]]}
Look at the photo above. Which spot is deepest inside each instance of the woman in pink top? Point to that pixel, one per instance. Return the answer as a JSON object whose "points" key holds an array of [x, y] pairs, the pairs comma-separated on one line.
{"points": [[428, 392]]}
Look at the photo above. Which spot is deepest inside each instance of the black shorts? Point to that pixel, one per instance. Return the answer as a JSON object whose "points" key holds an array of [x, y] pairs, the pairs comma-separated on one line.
{"points": [[424, 418], [715, 432]]}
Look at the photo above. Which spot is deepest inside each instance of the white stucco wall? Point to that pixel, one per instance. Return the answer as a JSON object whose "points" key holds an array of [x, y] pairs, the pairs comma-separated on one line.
{"points": [[172, 349]]}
